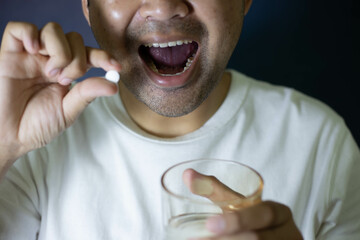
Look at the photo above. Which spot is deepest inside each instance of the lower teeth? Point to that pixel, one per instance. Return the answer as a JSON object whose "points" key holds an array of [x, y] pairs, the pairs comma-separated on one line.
{"points": [[188, 64]]}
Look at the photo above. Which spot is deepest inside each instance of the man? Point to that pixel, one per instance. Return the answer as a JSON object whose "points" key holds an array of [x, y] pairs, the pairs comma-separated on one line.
{"points": [[99, 179]]}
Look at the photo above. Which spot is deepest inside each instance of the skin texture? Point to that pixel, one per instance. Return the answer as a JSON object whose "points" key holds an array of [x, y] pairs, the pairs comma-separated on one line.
{"points": [[120, 27], [37, 104]]}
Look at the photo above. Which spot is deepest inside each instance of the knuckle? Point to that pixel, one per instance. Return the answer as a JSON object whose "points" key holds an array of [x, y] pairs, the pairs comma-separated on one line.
{"points": [[52, 26], [76, 40], [21, 25], [75, 35], [12, 24], [30, 27]]}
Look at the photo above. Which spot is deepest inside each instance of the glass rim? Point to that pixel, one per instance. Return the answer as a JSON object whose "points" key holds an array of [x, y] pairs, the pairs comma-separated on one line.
{"points": [[250, 198]]}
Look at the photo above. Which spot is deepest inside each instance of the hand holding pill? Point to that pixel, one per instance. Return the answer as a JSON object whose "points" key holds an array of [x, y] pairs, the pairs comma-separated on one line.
{"points": [[112, 76], [55, 66]]}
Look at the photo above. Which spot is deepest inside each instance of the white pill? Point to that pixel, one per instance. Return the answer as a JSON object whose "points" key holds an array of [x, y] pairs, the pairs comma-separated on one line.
{"points": [[112, 76]]}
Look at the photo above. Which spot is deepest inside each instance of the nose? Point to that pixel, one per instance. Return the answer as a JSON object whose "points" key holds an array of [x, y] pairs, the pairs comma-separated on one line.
{"points": [[162, 10]]}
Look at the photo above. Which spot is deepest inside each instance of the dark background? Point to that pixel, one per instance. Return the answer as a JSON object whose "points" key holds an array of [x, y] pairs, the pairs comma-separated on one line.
{"points": [[310, 45]]}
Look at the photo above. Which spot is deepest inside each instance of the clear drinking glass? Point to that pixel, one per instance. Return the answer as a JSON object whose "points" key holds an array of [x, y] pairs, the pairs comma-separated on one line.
{"points": [[185, 211]]}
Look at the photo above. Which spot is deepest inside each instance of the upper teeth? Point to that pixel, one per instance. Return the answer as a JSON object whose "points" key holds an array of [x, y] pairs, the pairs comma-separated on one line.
{"points": [[168, 44]]}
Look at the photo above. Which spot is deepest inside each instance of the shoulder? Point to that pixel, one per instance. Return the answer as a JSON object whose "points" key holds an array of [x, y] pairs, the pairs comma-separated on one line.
{"points": [[288, 118], [273, 102]]}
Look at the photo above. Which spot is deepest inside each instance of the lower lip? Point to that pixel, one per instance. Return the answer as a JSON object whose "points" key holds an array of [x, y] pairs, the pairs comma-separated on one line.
{"points": [[171, 81]]}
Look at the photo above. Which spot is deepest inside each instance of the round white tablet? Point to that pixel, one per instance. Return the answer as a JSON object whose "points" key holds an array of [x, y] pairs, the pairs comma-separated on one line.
{"points": [[112, 76]]}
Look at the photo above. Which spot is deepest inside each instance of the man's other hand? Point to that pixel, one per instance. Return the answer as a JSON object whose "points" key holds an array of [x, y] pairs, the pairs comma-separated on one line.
{"points": [[260, 221]]}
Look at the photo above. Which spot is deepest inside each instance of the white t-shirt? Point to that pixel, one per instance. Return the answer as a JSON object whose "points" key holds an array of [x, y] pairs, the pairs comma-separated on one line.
{"points": [[101, 178]]}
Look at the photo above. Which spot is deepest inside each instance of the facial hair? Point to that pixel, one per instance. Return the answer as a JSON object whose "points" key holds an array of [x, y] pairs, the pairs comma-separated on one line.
{"points": [[168, 102]]}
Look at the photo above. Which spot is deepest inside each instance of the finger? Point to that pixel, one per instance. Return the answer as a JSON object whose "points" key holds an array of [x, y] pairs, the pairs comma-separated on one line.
{"points": [[82, 94], [283, 232], [55, 45], [240, 236], [261, 216], [100, 59], [210, 187], [286, 231], [244, 236], [78, 66], [20, 36]]}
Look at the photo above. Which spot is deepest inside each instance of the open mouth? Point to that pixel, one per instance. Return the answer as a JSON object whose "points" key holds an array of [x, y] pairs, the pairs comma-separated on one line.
{"points": [[171, 58]]}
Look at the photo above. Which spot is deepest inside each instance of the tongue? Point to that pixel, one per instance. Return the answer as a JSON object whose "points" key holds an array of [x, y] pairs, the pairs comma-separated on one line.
{"points": [[172, 60]]}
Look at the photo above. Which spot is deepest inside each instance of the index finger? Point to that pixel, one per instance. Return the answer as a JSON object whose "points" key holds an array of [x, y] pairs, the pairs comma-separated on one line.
{"points": [[100, 59]]}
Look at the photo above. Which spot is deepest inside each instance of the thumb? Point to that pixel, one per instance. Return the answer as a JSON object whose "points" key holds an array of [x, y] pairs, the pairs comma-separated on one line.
{"points": [[83, 93], [211, 188]]}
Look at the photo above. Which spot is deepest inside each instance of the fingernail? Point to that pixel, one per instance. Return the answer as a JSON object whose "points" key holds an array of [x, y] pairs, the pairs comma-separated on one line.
{"points": [[65, 81], [54, 72], [216, 224]]}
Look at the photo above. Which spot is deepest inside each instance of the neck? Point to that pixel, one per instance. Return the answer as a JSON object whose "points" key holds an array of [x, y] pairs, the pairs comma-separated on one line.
{"points": [[170, 127]]}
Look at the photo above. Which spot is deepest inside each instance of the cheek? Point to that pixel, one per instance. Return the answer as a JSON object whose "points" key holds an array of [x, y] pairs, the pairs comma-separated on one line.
{"points": [[224, 23], [109, 20], [227, 21]]}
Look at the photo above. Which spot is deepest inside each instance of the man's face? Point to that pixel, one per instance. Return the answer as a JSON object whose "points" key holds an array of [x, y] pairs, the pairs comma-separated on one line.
{"points": [[173, 52]]}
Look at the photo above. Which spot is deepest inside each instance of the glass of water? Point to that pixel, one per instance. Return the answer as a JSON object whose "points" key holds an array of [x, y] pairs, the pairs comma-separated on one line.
{"points": [[198, 189]]}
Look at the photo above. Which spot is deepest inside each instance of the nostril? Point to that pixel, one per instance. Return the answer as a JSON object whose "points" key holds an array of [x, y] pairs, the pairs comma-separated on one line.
{"points": [[163, 10]]}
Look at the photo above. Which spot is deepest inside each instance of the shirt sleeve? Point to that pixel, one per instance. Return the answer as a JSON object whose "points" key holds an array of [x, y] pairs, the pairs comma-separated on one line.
{"points": [[20, 199], [343, 215]]}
